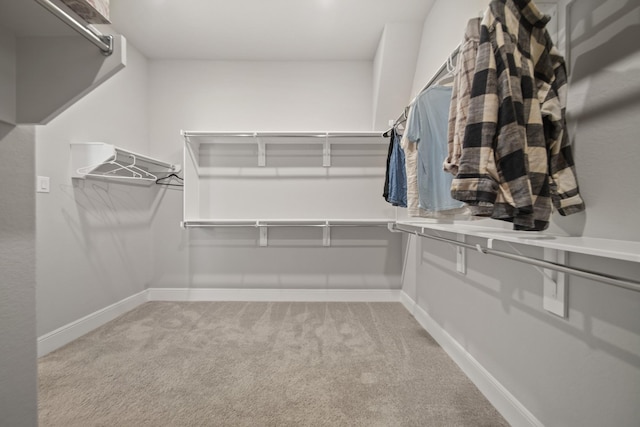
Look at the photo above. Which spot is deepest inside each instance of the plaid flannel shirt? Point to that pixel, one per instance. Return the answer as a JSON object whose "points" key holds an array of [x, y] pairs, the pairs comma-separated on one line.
{"points": [[461, 95], [516, 153]]}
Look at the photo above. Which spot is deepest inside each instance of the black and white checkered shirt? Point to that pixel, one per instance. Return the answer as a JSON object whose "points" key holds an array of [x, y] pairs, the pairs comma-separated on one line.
{"points": [[516, 154]]}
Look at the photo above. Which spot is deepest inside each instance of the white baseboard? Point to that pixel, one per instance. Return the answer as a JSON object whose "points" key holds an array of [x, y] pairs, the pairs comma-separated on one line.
{"points": [[408, 303], [509, 407], [74, 330], [275, 295]]}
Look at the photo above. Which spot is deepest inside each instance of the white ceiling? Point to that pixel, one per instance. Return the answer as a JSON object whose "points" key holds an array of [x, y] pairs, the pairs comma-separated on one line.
{"points": [[237, 29], [261, 29]]}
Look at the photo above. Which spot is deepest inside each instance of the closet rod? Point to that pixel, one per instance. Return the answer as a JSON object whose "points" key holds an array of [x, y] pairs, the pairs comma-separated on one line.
{"points": [[443, 67], [433, 79], [600, 277], [256, 224], [188, 134], [103, 42]]}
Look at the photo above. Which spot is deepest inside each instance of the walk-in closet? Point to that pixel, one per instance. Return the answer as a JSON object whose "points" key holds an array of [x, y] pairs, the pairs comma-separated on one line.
{"points": [[319, 213]]}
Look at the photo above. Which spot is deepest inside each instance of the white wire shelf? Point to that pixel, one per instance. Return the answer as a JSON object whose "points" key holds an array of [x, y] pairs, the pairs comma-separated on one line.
{"points": [[263, 225], [262, 139], [319, 135], [99, 159], [607, 248], [221, 223]]}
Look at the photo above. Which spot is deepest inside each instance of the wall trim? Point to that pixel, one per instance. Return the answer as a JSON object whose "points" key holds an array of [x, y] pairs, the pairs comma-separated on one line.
{"points": [[74, 330], [506, 403], [275, 295]]}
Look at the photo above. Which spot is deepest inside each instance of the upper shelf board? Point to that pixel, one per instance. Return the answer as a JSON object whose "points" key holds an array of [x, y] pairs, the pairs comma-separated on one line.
{"points": [[108, 161], [608, 248]]}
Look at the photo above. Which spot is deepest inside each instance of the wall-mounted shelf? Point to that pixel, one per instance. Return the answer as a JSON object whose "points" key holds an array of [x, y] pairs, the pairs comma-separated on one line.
{"points": [[262, 139], [47, 66], [264, 225], [555, 247], [607, 248], [222, 180], [98, 159], [286, 223]]}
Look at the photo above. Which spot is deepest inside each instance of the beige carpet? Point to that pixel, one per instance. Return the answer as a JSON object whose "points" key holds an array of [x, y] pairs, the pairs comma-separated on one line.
{"points": [[259, 364]]}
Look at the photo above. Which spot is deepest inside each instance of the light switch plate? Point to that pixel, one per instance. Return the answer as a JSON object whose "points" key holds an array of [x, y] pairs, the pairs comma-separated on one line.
{"points": [[43, 184]]}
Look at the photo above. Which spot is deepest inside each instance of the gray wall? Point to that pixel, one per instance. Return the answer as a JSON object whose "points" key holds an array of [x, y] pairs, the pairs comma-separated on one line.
{"points": [[266, 96], [18, 377], [93, 240], [18, 372], [584, 370], [7, 77]]}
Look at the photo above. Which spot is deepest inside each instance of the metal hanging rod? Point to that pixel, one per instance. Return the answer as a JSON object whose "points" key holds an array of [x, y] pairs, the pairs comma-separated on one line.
{"points": [[442, 68], [195, 134], [287, 223], [103, 42], [600, 277], [434, 78]]}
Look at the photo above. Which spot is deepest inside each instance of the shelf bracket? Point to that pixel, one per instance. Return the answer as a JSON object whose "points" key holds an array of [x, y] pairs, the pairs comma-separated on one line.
{"points": [[555, 294], [326, 235], [264, 235], [262, 151], [461, 255], [326, 152]]}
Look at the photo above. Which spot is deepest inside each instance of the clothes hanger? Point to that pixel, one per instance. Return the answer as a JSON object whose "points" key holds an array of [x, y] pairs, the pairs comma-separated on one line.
{"points": [[135, 171], [399, 121], [169, 178], [447, 79]]}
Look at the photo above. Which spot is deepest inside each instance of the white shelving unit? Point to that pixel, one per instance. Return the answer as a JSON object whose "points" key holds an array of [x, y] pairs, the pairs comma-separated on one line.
{"points": [[317, 179], [262, 139], [249, 179], [99, 159]]}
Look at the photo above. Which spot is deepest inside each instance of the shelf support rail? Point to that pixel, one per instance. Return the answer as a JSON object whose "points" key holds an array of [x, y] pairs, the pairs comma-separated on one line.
{"points": [[144, 159], [262, 150], [197, 134], [103, 42], [326, 152], [587, 274]]}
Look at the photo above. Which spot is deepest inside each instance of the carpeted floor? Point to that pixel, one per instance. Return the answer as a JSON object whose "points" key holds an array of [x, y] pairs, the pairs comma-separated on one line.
{"points": [[259, 364]]}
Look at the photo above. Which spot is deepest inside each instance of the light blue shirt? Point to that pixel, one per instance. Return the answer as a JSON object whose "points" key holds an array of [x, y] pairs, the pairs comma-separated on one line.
{"points": [[428, 127]]}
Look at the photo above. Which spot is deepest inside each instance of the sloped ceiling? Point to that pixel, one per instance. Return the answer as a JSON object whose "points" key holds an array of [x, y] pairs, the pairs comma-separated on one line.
{"points": [[261, 29], [282, 30]]}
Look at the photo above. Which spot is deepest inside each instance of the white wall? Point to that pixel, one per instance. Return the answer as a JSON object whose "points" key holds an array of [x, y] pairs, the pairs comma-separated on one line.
{"points": [[394, 66], [93, 240], [264, 96], [442, 32], [584, 370]]}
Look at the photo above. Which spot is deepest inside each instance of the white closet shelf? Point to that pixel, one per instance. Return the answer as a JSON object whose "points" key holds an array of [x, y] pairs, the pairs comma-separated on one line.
{"points": [[607, 248], [286, 223], [207, 136], [263, 225], [104, 160], [262, 139]]}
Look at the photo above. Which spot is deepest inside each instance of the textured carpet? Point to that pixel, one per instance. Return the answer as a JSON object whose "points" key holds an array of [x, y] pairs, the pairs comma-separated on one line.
{"points": [[259, 364]]}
